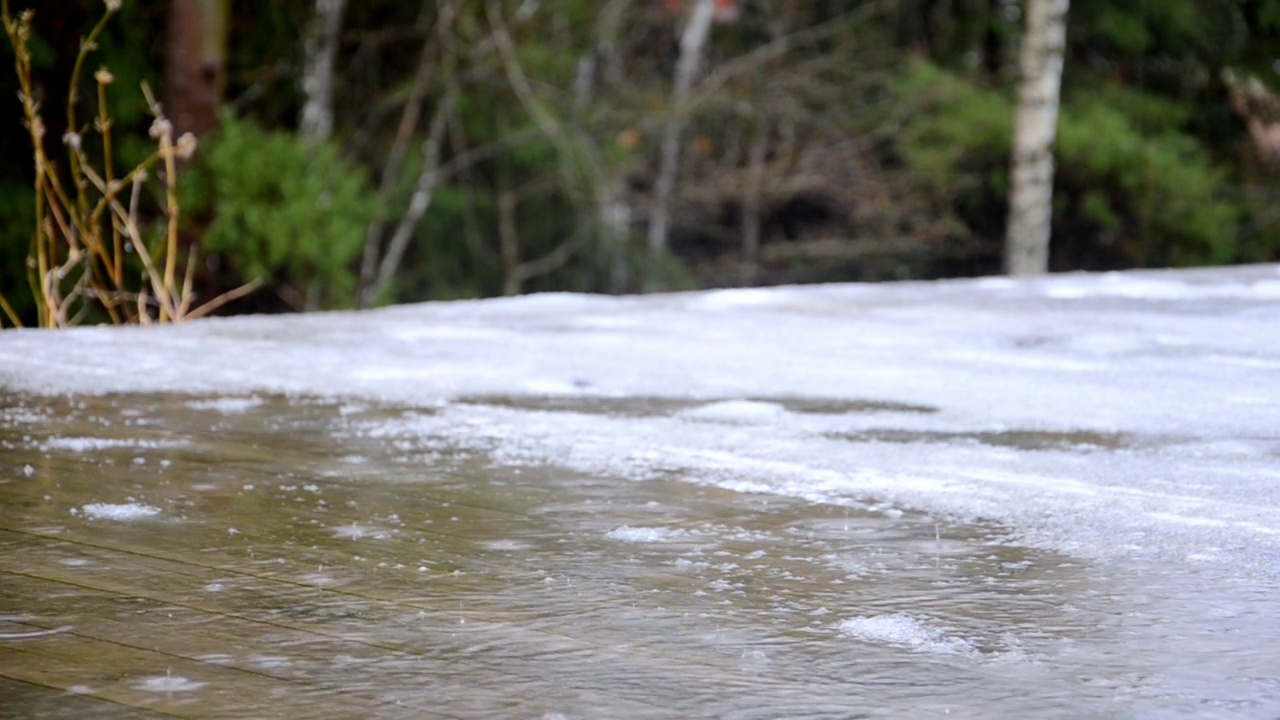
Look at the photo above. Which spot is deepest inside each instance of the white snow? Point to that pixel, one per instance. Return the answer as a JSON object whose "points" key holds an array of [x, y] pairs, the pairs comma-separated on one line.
{"points": [[92, 444], [506, 545], [356, 531], [736, 411], [1114, 416], [627, 533], [920, 635], [226, 405], [169, 684], [119, 511]]}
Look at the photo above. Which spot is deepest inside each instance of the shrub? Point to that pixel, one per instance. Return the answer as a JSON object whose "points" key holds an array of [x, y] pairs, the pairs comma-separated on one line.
{"points": [[1132, 189], [288, 211]]}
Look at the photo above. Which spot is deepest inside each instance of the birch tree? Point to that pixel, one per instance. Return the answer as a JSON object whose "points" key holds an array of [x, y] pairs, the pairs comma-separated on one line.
{"points": [[692, 42], [321, 50], [1034, 131]]}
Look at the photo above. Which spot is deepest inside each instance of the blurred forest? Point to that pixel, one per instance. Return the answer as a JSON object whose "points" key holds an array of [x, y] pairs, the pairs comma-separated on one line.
{"points": [[362, 153]]}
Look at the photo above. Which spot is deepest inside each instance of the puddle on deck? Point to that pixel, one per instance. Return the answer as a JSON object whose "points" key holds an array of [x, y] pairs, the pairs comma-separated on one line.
{"points": [[652, 406], [1015, 439], [167, 556]]}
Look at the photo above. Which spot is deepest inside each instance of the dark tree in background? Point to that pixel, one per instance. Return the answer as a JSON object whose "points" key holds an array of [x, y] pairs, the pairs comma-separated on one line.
{"points": [[195, 69], [402, 150]]}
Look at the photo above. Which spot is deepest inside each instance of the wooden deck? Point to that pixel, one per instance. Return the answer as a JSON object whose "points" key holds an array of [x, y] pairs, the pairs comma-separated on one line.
{"points": [[296, 570]]}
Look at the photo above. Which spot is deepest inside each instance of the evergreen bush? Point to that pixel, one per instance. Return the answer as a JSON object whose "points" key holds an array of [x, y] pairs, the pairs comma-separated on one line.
{"points": [[285, 210], [1132, 188]]}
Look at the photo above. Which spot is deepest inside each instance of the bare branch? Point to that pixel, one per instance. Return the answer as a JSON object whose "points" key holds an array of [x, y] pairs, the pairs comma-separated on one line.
{"points": [[395, 157], [423, 193]]}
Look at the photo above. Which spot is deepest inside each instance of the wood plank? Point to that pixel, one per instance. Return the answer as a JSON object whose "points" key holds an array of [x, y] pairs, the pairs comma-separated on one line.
{"points": [[164, 683], [30, 700], [368, 634]]}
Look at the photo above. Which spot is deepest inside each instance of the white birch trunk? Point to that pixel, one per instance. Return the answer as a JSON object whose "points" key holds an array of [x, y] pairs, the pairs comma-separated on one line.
{"points": [[692, 42], [1034, 131], [321, 48]]}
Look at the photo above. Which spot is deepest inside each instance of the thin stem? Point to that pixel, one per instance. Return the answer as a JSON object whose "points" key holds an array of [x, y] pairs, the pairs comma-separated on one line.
{"points": [[87, 45], [8, 310], [116, 266]]}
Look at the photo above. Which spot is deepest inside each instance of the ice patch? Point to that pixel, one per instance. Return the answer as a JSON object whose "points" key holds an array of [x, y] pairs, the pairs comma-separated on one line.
{"points": [[90, 444], [356, 531], [626, 533], [34, 633], [168, 684], [119, 511], [508, 545], [226, 406], [905, 631], [269, 662], [321, 579], [1118, 285], [736, 411], [736, 298]]}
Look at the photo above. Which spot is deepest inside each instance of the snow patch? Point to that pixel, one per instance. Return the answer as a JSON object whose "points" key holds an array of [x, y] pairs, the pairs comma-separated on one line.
{"points": [[226, 405], [356, 531], [90, 444], [626, 533], [736, 411], [169, 684], [735, 298], [915, 634], [508, 545], [119, 511]]}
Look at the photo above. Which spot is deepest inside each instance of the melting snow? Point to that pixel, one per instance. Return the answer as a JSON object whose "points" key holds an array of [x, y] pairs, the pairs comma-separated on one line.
{"points": [[168, 684], [905, 631], [736, 411], [1123, 415], [627, 533], [121, 511], [508, 545], [356, 531], [227, 405], [89, 444]]}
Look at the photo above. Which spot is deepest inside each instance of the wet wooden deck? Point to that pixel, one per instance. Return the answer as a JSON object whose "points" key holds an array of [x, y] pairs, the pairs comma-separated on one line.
{"points": [[294, 570]]}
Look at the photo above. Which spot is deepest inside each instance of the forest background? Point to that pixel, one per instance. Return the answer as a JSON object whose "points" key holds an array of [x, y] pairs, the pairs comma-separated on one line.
{"points": [[363, 153]]}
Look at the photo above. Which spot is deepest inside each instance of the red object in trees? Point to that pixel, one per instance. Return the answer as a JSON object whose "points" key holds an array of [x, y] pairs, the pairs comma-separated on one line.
{"points": [[726, 10]]}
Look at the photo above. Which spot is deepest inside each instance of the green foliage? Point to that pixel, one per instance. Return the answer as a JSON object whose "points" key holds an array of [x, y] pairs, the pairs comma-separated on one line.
{"points": [[955, 127], [1171, 197], [1132, 187], [284, 210], [463, 266]]}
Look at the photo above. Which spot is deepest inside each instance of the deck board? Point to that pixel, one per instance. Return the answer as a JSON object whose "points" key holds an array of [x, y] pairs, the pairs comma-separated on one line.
{"points": [[278, 573]]}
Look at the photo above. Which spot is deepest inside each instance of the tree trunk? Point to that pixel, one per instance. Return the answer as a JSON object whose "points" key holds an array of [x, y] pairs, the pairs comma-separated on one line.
{"points": [[1034, 131], [195, 71], [395, 157], [692, 42], [612, 197], [321, 48]]}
